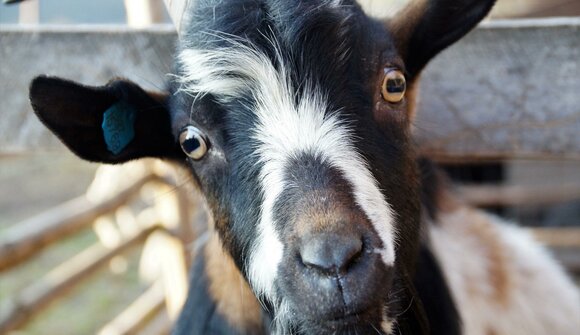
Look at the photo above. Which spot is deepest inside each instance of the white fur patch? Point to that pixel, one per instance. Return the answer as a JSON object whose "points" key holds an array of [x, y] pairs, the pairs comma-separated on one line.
{"points": [[285, 130], [388, 324], [538, 298]]}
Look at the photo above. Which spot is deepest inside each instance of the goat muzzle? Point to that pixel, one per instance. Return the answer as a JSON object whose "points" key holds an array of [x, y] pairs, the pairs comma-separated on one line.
{"points": [[333, 277]]}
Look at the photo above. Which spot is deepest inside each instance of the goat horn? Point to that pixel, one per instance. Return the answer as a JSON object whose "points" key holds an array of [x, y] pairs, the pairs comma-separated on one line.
{"points": [[177, 10]]}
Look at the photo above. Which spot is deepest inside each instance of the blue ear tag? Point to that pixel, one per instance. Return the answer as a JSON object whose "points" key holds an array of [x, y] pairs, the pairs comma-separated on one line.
{"points": [[118, 126]]}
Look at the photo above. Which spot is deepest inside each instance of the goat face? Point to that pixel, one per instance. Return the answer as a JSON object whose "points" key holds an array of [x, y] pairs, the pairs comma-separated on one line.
{"points": [[299, 172], [296, 123]]}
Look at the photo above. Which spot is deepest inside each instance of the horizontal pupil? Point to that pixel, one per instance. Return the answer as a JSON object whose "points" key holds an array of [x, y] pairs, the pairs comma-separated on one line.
{"points": [[395, 86], [190, 145]]}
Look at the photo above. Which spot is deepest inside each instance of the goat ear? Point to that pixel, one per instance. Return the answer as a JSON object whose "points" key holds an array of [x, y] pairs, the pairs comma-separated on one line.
{"points": [[425, 27], [111, 124]]}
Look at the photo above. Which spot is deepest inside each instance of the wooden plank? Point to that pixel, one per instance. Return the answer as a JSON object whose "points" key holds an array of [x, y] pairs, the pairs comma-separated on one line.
{"points": [[32, 236], [174, 273], [535, 8], [29, 12], [63, 279], [561, 237], [569, 258], [160, 325], [136, 317], [518, 195], [164, 257], [508, 90], [143, 13], [177, 9]]}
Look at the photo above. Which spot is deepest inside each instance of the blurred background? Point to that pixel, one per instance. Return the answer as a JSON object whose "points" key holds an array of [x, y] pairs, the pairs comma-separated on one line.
{"points": [[538, 193]]}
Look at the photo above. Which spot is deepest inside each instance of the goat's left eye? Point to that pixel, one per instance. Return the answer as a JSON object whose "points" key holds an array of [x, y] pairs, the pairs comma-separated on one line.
{"points": [[193, 142], [394, 86]]}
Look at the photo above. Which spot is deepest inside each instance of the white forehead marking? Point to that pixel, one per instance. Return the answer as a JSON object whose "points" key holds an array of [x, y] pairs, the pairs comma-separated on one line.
{"points": [[285, 129]]}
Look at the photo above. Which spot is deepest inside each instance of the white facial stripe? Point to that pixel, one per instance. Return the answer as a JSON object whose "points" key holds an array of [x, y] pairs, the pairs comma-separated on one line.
{"points": [[284, 131]]}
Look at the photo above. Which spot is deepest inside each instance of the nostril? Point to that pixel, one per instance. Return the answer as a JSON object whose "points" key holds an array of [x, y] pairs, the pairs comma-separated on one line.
{"points": [[329, 253]]}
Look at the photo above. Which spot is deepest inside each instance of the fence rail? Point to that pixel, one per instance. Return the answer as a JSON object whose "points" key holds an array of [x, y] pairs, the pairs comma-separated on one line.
{"points": [[30, 237], [71, 273], [25, 240], [518, 195]]}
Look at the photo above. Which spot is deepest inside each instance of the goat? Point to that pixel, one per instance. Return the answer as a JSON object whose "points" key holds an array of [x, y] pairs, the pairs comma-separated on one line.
{"points": [[294, 118]]}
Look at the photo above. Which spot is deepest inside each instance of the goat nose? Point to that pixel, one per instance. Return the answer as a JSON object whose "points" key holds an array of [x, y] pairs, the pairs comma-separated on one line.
{"points": [[330, 253]]}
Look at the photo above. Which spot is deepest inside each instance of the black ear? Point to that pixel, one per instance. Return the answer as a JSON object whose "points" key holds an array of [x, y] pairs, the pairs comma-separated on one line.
{"points": [[425, 27], [111, 124]]}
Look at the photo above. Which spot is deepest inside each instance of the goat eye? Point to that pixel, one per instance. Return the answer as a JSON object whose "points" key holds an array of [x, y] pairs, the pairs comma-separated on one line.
{"points": [[394, 86], [193, 142]]}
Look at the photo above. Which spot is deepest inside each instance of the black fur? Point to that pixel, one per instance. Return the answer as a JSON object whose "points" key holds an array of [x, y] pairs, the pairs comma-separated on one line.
{"points": [[55, 100], [343, 53]]}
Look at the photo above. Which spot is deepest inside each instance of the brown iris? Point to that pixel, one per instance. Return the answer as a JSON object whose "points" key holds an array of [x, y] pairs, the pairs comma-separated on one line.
{"points": [[394, 86]]}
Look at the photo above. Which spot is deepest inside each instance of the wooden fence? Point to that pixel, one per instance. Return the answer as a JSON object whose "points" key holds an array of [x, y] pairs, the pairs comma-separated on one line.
{"points": [[509, 90], [163, 225]]}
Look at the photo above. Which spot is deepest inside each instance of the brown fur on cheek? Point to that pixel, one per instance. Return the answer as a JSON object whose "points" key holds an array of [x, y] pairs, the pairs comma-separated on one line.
{"points": [[234, 299]]}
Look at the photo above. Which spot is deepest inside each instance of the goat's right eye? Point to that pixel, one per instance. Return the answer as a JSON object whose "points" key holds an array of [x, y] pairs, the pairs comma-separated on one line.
{"points": [[193, 142], [394, 85]]}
